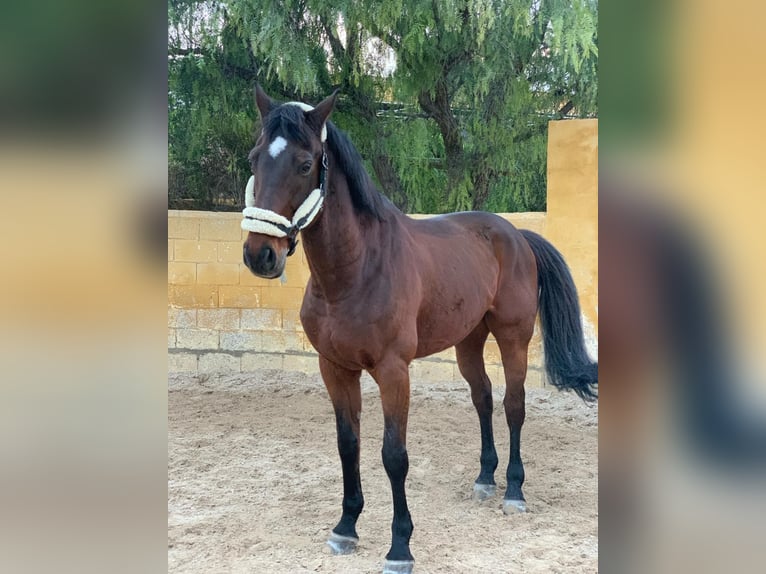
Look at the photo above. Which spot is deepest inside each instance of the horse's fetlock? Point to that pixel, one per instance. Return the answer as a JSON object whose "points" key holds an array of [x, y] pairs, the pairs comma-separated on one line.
{"points": [[404, 527], [489, 461], [353, 505]]}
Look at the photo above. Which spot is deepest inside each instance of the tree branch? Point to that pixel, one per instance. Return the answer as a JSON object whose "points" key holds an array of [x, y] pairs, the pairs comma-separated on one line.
{"points": [[387, 37], [438, 108], [565, 109], [187, 52], [335, 44], [540, 27]]}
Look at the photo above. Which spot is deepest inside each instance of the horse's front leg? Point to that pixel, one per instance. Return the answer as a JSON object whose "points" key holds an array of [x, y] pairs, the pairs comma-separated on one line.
{"points": [[346, 395], [394, 382]]}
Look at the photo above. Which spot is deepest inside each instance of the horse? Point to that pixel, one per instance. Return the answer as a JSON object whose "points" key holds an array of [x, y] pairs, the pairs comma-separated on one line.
{"points": [[386, 289]]}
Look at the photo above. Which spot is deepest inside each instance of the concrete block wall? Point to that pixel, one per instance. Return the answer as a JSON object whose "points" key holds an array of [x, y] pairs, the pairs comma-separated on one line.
{"points": [[221, 318]]}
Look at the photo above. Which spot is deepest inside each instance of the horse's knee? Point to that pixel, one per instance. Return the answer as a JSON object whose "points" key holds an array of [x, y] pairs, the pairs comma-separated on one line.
{"points": [[515, 409], [348, 441], [395, 459], [482, 398], [470, 370]]}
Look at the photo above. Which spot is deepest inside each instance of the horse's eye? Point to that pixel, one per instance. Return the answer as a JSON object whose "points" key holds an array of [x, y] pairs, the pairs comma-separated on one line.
{"points": [[305, 168]]}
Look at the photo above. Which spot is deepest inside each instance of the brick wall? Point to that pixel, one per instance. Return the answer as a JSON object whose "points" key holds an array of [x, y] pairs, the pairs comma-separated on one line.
{"points": [[221, 318]]}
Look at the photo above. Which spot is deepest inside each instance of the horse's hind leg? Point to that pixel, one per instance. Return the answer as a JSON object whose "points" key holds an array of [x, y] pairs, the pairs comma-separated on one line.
{"points": [[470, 360], [513, 340], [346, 395]]}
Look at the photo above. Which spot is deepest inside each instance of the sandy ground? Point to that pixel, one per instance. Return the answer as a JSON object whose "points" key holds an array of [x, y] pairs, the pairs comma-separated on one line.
{"points": [[254, 480]]}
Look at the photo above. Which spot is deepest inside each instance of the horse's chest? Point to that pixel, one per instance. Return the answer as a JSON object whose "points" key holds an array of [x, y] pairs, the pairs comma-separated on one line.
{"points": [[344, 342], [345, 336]]}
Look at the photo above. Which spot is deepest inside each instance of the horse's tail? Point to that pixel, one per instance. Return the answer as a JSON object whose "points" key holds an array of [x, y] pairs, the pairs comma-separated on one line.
{"points": [[566, 361]]}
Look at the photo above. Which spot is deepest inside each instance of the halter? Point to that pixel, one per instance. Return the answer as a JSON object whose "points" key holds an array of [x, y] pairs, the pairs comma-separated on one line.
{"points": [[267, 222]]}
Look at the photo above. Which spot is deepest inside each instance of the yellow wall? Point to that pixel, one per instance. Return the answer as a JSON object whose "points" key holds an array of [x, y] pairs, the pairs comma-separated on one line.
{"points": [[572, 216], [221, 317]]}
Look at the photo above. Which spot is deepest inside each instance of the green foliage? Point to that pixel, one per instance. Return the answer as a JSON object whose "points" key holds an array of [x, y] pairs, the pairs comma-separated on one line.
{"points": [[210, 108], [447, 100]]}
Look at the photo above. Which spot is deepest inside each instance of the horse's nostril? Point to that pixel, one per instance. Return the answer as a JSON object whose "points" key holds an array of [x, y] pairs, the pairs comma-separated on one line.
{"points": [[271, 256], [246, 257], [267, 259]]}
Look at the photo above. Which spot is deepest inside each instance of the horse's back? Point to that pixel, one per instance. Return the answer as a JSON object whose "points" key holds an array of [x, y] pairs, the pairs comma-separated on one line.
{"points": [[481, 222], [478, 239]]}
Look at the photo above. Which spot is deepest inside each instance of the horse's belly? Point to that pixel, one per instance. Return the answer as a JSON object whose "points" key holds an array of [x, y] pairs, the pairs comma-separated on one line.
{"points": [[454, 305], [448, 322], [430, 347]]}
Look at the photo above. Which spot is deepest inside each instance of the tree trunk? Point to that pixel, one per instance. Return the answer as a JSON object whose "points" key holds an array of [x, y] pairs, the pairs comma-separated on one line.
{"points": [[438, 107], [365, 107], [481, 181], [389, 180]]}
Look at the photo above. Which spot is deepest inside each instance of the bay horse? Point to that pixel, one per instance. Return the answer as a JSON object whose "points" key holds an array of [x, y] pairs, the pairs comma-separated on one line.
{"points": [[386, 289]]}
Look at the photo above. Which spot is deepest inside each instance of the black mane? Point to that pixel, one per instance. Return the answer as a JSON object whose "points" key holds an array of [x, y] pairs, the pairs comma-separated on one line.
{"points": [[288, 121]]}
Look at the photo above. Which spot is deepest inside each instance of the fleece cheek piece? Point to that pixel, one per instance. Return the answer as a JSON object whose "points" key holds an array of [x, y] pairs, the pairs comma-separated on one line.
{"points": [[250, 192], [267, 222]]}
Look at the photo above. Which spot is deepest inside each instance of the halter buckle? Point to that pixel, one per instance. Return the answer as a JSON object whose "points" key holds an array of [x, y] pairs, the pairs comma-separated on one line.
{"points": [[292, 240]]}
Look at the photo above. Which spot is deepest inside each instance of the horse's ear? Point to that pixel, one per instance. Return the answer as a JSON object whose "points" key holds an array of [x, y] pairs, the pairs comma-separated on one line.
{"points": [[265, 103], [317, 117]]}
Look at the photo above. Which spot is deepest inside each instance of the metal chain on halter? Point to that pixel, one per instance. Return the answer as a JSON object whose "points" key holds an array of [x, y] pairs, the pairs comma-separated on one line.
{"points": [[323, 173]]}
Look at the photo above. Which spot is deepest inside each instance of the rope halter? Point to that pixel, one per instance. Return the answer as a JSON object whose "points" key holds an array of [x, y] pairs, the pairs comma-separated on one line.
{"points": [[267, 222]]}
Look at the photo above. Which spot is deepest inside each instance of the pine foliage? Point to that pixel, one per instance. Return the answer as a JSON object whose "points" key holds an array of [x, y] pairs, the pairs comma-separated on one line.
{"points": [[447, 100]]}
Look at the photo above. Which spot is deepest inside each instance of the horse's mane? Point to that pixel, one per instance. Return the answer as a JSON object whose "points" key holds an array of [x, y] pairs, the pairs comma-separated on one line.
{"points": [[288, 121]]}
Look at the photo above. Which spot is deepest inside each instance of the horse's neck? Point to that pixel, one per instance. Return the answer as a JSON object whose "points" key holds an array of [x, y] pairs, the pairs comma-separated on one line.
{"points": [[335, 243]]}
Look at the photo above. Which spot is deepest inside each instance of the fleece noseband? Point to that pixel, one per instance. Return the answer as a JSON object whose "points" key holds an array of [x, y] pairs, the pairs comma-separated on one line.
{"points": [[267, 222]]}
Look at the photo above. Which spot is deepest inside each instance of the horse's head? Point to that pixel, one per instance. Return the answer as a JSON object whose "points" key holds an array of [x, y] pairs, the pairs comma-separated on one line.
{"points": [[286, 191]]}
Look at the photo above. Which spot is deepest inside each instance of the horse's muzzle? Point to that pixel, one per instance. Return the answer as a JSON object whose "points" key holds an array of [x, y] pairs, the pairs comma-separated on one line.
{"points": [[266, 263]]}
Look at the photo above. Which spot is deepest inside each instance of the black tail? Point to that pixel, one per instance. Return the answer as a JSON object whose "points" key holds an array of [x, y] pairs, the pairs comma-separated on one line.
{"points": [[566, 360]]}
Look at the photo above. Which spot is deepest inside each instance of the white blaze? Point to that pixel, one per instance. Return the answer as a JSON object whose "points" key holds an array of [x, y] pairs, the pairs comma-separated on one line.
{"points": [[276, 147]]}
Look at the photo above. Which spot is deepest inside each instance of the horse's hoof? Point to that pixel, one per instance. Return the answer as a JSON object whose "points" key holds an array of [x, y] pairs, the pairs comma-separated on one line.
{"points": [[398, 567], [514, 506], [341, 544], [483, 491]]}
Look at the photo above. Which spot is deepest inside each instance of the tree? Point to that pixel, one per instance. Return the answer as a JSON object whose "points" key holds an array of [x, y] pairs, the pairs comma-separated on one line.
{"points": [[210, 109], [460, 120]]}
